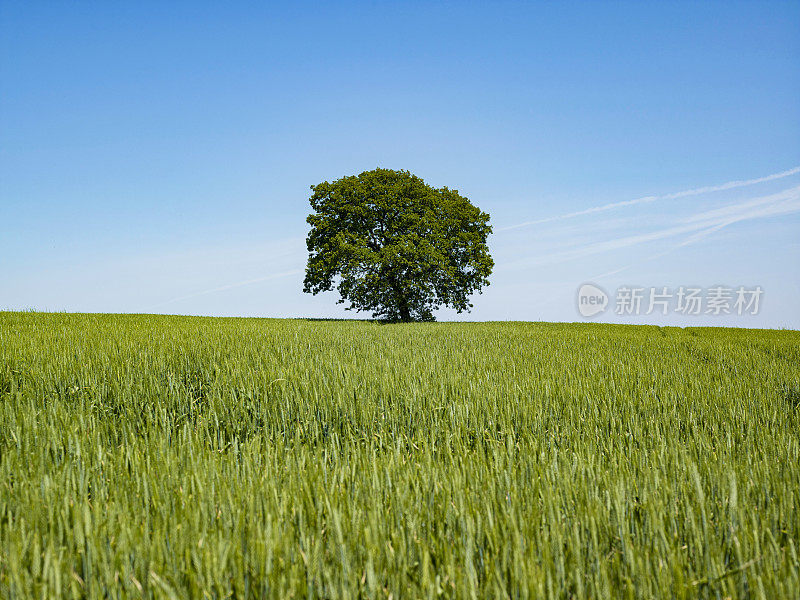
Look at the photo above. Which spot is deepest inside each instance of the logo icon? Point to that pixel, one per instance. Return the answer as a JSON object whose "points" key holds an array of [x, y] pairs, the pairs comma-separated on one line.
{"points": [[592, 300]]}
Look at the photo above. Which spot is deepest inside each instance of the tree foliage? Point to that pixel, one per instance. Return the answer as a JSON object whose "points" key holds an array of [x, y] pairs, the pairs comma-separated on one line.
{"points": [[393, 245]]}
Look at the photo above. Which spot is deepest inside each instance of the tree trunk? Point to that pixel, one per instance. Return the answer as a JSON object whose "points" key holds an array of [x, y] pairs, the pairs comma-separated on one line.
{"points": [[402, 302], [405, 314]]}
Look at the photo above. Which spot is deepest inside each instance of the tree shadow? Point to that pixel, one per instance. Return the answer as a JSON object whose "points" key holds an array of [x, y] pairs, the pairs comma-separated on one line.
{"points": [[346, 320], [334, 320]]}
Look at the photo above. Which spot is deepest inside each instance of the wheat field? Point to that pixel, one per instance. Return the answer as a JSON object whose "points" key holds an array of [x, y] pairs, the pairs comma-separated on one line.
{"points": [[187, 457]]}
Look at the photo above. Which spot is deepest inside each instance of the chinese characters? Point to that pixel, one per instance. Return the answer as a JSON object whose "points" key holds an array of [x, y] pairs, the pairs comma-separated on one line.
{"points": [[718, 300]]}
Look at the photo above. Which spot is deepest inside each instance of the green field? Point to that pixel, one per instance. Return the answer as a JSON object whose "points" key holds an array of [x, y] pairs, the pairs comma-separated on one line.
{"points": [[195, 457]]}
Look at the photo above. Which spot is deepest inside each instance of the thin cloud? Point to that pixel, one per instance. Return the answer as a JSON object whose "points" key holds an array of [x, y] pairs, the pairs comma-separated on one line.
{"points": [[782, 203], [692, 239], [230, 286], [758, 206], [647, 199]]}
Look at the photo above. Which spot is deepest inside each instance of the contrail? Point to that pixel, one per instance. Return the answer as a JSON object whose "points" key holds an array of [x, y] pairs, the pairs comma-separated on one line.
{"points": [[645, 199], [687, 242], [230, 286], [701, 224]]}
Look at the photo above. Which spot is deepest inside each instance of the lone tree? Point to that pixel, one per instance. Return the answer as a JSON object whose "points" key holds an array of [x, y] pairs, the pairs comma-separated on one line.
{"points": [[393, 245]]}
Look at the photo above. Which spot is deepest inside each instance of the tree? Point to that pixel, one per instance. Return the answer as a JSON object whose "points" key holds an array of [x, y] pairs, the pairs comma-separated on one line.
{"points": [[393, 245]]}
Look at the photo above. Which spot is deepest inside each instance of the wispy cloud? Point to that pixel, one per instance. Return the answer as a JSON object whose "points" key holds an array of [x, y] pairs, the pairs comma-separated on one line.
{"points": [[761, 206], [647, 199], [692, 239], [700, 224], [231, 286]]}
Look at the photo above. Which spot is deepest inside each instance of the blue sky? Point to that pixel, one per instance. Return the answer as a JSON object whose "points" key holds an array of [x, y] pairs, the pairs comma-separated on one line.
{"points": [[156, 157]]}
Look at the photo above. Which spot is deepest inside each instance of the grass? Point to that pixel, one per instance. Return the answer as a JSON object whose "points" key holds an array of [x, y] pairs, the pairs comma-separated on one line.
{"points": [[180, 457]]}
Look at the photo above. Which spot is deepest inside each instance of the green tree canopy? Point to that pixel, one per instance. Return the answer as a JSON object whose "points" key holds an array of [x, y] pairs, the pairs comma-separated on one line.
{"points": [[395, 246]]}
